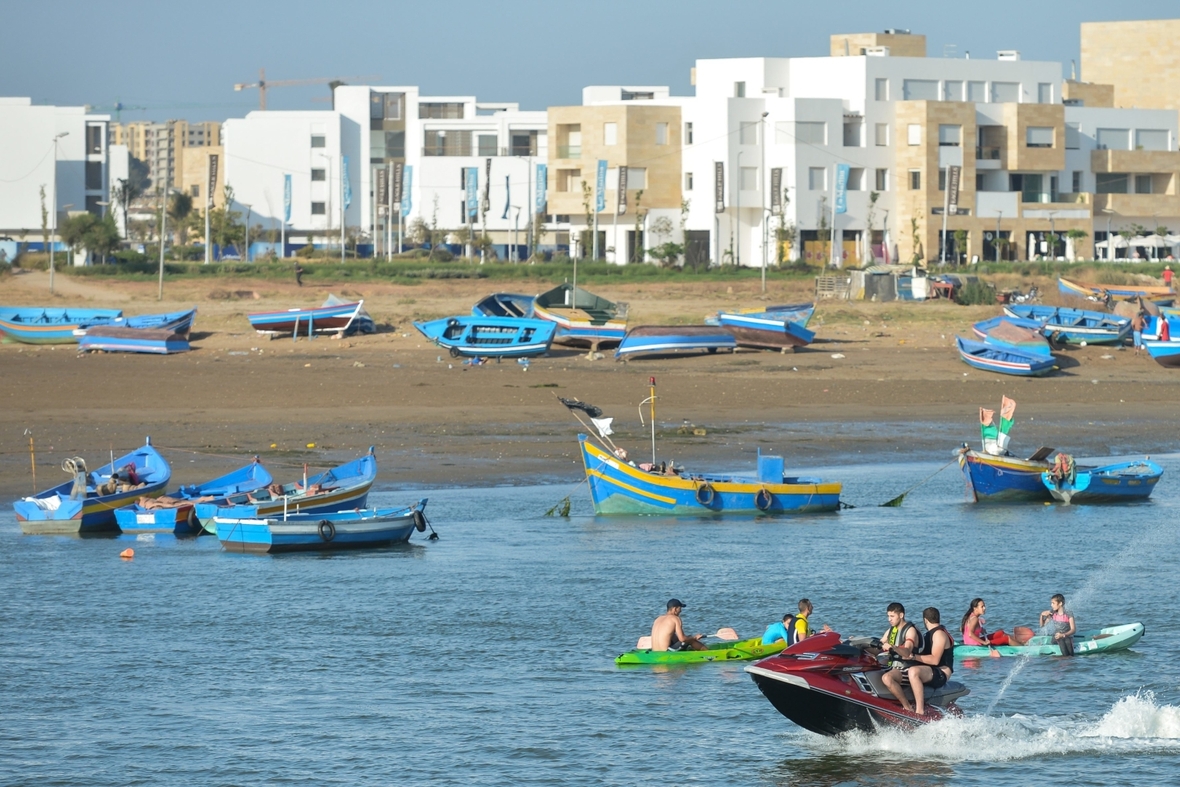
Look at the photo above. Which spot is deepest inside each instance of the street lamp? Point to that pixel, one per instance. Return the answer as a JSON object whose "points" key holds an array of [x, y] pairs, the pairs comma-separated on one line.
{"points": [[515, 227], [163, 233], [53, 204], [999, 215], [737, 254]]}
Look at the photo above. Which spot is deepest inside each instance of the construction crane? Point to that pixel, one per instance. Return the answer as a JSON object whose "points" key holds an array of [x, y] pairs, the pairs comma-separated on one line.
{"points": [[117, 108], [262, 84]]}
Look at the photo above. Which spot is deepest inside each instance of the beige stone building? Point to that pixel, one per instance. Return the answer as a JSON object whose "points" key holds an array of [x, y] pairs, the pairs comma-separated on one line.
{"points": [[162, 145], [1139, 60]]}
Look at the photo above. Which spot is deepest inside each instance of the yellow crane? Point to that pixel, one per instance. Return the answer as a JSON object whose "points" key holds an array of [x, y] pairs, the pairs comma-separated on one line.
{"points": [[262, 84]]}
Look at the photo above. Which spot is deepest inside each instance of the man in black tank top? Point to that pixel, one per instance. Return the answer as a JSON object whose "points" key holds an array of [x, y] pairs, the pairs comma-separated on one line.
{"points": [[933, 664]]}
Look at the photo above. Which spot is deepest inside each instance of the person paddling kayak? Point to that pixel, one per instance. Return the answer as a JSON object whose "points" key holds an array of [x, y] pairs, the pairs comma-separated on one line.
{"points": [[667, 632]]}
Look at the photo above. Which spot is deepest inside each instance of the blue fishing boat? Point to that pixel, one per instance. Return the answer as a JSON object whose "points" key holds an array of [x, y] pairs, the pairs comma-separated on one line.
{"points": [[1005, 331], [1004, 360], [583, 319], [1116, 483], [1004, 478], [1083, 290], [674, 340], [357, 529], [794, 312], [35, 325], [110, 339], [1074, 325], [490, 337], [1151, 330], [343, 487], [1165, 353], [181, 518], [334, 316], [774, 329], [176, 322], [87, 503], [504, 304]]}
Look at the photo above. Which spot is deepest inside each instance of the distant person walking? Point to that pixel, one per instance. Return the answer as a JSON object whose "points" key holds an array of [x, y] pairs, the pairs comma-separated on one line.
{"points": [[1137, 326], [299, 281], [1168, 276]]}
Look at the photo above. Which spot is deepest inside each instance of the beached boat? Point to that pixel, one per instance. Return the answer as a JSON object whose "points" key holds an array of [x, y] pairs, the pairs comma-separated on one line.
{"points": [[674, 339], [504, 304], [583, 319], [35, 325], [107, 338], [343, 487], [180, 322], [490, 337], [356, 529], [795, 312], [1103, 640], [182, 520], [771, 329], [1004, 360], [1116, 290], [1004, 478], [1005, 331], [1074, 325], [1164, 353], [80, 505], [334, 316], [1115, 483], [742, 650]]}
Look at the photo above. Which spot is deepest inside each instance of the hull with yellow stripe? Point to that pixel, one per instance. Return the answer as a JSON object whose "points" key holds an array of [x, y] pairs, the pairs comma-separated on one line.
{"points": [[1003, 478], [617, 487]]}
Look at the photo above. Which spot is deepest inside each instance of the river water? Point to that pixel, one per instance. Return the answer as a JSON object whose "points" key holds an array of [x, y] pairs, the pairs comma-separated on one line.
{"points": [[487, 656]]}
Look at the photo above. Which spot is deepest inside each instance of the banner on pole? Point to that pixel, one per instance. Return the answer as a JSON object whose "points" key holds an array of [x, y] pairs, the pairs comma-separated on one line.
{"points": [[395, 183], [382, 190], [719, 187], [347, 185], [212, 179], [472, 193], [286, 198], [487, 187], [953, 176], [622, 206], [776, 191], [842, 188], [600, 187], [404, 183], [542, 188]]}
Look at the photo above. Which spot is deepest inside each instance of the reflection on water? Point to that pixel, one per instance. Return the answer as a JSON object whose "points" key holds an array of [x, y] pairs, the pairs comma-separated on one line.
{"points": [[838, 770]]}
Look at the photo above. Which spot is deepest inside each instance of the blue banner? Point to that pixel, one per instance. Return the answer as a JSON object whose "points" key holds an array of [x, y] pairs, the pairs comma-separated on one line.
{"points": [[407, 181], [472, 193], [600, 187], [841, 188], [347, 185], [286, 198], [542, 187]]}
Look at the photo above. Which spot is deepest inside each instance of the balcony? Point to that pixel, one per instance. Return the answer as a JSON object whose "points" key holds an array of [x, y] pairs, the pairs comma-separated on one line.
{"points": [[569, 151], [1138, 204], [990, 153], [1105, 161]]}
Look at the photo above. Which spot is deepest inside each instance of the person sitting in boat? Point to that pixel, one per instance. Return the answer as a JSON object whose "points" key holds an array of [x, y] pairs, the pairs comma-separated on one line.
{"points": [[274, 489], [972, 627], [1063, 470], [667, 632], [164, 501], [901, 641], [1062, 622], [932, 665], [122, 480], [793, 628]]}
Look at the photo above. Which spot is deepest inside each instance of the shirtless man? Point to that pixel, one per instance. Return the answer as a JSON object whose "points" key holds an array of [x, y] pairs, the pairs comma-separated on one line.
{"points": [[164, 501], [667, 633]]}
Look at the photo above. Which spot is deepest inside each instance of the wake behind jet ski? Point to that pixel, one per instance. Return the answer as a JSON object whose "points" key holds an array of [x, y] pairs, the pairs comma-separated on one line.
{"points": [[830, 686]]}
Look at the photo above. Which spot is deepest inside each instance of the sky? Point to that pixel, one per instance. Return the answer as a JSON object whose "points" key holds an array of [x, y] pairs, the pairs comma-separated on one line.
{"points": [[166, 59]]}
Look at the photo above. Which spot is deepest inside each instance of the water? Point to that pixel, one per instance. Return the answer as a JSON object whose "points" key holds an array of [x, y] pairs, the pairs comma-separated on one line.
{"points": [[487, 656]]}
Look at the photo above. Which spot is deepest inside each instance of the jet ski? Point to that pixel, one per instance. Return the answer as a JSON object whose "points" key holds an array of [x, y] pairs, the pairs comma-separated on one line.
{"points": [[831, 686]]}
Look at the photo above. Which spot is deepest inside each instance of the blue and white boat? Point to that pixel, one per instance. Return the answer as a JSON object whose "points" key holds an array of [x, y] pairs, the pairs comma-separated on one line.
{"points": [[87, 503], [776, 328], [490, 337], [334, 316], [1165, 353], [357, 529], [181, 520], [175, 322], [1003, 359], [583, 319], [1116, 483], [674, 340], [1074, 325], [35, 325], [153, 341], [1004, 478], [1005, 331], [504, 304]]}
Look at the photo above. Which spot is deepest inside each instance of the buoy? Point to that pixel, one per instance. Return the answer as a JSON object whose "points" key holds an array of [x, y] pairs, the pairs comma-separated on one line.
{"points": [[311, 445], [127, 554], [274, 445]]}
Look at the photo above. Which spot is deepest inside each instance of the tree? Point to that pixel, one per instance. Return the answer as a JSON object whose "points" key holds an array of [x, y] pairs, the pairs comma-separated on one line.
{"points": [[1076, 236], [640, 214], [418, 232], [960, 237], [179, 208], [44, 221], [225, 225], [873, 197], [916, 258], [74, 229], [587, 195], [138, 181], [103, 237]]}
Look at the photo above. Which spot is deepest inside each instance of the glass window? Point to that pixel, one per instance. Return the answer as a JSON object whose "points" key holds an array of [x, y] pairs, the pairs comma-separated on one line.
{"points": [[318, 141], [977, 92], [610, 133], [919, 90], [1039, 136], [688, 133], [748, 133], [852, 129], [319, 208], [856, 179], [950, 136], [1077, 181], [881, 89], [386, 106], [319, 174], [739, 89], [1151, 139], [811, 133], [688, 181], [882, 183], [952, 90], [448, 110], [524, 143], [881, 134], [817, 178], [1005, 92], [749, 176], [636, 95], [1143, 184], [915, 180], [1114, 139], [914, 134], [488, 145], [93, 175], [1044, 92], [1111, 182], [661, 133], [942, 179], [447, 143], [1073, 136], [94, 139]]}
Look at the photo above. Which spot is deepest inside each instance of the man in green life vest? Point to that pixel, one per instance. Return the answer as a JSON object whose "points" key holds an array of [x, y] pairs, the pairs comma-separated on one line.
{"points": [[901, 641]]}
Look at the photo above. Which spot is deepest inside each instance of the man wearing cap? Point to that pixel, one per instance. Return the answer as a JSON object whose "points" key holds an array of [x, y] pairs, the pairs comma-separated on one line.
{"points": [[667, 633]]}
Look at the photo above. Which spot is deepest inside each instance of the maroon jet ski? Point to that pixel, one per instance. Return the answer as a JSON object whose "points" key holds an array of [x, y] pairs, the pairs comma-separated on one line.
{"points": [[831, 686]]}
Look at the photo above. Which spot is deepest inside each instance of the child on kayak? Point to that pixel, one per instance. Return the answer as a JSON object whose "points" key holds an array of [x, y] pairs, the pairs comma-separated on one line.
{"points": [[793, 628], [1061, 623]]}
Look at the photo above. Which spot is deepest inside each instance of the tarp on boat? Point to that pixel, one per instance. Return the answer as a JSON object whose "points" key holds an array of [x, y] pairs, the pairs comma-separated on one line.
{"points": [[362, 323]]}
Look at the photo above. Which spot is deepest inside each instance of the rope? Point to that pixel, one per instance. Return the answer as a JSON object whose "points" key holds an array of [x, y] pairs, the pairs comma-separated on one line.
{"points": [[896, 502]]}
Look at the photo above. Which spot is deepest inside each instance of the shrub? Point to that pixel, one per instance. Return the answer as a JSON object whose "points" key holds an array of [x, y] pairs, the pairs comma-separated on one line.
{"points": [[976, 293]]}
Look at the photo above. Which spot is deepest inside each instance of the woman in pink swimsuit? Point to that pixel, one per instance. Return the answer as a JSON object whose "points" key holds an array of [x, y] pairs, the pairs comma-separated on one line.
{"points": [[972, 627]]}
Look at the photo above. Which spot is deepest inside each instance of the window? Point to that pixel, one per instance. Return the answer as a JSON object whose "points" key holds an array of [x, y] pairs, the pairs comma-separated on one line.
{"points": [[1044, 92], [688, 181], [1039, 137], [636, 95], [749, 178], [194, 191], [1151, 139], [881, 89], [661, 133], [882, 183], [319, 208], [952, 90], [1005, 92], [1111, 182], [319, 174], [950, 136], [852, 133], [977, 92], [447, 143], [739, 89], [919, 90], [94, 139], [915, 180], [881, 134], [942, 178], [441, 111], [524, 143], [748, 133], [1114, 139], [93, 175], [610, 133], [1077, 181], [1073, 136], [914, 134], [856, 179], [636, 178], [318, 141], [688, 133], [569, 180], [817, 178], [811, 133], [1143, 184], [488, 144], [386, 106]]}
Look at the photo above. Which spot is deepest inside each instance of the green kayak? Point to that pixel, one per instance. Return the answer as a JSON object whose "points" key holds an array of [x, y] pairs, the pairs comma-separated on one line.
{"points": [[1102, 640], [742, 650]]}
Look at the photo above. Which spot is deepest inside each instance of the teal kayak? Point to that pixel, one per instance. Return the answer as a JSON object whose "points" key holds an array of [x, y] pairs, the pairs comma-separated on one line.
{"points": [[1104, 640]]}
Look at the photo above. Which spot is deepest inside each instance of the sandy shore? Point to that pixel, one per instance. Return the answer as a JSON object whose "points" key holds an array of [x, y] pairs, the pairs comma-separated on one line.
{"points": [[881, 379]]}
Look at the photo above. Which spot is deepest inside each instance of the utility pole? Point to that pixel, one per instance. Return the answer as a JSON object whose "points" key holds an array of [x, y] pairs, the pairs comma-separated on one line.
{"points": [[53, 205], [762, 195], [163, 234]]}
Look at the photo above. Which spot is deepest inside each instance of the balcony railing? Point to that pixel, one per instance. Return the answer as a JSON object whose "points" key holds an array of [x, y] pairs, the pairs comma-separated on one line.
{"points": [[987, 153], [569, 151]]}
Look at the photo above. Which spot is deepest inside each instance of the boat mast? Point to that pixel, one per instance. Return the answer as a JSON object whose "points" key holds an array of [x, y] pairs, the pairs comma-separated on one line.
{"points": [[652, 398]]}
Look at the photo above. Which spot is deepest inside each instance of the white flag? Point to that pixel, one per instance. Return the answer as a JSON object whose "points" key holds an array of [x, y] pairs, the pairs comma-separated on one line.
{"points": [[603, 425]]}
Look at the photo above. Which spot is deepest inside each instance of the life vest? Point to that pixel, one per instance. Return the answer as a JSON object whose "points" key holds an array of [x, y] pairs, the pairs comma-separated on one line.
{"points": [[792, 631], [898, 636], [948, 654]]}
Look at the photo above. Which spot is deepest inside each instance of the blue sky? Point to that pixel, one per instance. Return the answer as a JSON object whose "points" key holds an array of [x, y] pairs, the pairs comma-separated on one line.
{"points": [[182, 59]]}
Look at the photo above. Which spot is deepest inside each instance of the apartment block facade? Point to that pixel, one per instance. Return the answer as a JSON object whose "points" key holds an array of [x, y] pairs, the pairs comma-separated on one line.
{"points": [[162, 146]]}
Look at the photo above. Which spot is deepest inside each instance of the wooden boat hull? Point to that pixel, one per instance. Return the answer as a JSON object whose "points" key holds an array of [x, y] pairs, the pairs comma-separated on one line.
{"points": [[1117, 290], [583, 319], [1004, 359], [305, 322], [95, 513], [132, 340], [1117, 483], [51, 326], [359, 529], [183, 521], [490, 337], [617, 487], [1166, 354], [1003, 478], [1105, 640], [504, 304], [674, 339], [1074, 325], [765, 330]]}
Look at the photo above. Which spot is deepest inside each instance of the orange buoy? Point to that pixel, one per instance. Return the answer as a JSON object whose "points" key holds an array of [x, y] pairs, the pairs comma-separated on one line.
{"points": [[127, 554]]}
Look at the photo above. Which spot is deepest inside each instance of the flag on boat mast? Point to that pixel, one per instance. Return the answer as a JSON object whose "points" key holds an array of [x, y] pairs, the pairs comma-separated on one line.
{"points": [[988, 431], [1007, 414], [603, 426]]}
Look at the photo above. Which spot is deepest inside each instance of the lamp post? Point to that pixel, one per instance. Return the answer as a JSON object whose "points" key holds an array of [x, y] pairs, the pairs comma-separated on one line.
{"points": [[737, 252], [1109, 243], [1052, 238], [246, 242], [762, 195], [999, 215], [53, 204], [515, 228]]}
